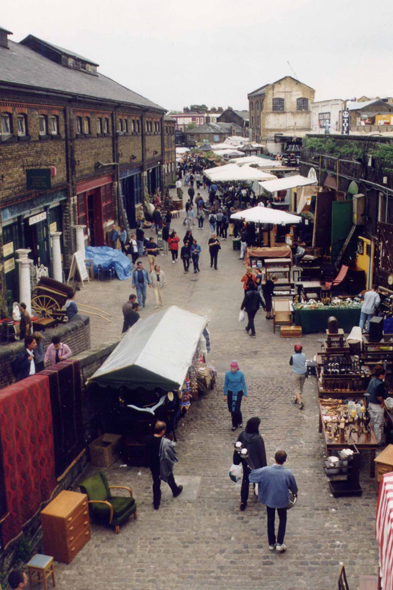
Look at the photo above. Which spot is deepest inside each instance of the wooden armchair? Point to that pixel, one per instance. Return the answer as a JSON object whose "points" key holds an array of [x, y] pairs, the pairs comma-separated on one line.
{"points": [[282, 314], [105, 508]]}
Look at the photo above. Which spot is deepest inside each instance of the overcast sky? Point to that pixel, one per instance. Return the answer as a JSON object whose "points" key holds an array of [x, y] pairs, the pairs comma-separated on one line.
{"points": [[178, 53]]}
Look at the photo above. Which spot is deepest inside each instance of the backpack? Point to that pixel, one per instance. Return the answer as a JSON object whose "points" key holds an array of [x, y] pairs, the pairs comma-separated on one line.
{"points": [[212, 217]]}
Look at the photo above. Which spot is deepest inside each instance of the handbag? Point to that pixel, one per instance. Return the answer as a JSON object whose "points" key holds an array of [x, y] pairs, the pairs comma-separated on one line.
{"points": [[235, 473]]}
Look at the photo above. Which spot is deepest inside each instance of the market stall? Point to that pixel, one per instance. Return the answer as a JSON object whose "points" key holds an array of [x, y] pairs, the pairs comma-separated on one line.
{"points": [[384, 532], [153, 372], [237, 173], [313, 316]]}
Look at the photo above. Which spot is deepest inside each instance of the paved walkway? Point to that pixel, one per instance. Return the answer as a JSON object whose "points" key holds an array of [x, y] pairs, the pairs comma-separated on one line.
{"points": [[207, 543]]}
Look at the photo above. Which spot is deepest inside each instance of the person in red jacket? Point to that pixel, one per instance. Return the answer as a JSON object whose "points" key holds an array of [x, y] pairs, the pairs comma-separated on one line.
{"points": [[249, 280], [173, 242]]}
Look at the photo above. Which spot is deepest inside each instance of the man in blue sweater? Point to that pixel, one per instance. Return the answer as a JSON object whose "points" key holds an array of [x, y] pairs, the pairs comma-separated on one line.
{"points": [[274, 484]]}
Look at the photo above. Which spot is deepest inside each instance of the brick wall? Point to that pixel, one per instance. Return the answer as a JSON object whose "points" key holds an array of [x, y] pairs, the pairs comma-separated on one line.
{"points": [[75, 334], [130, 146]]}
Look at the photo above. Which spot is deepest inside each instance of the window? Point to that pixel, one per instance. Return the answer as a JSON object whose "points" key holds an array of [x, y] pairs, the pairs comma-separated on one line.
{"points": [[251, 106], [107, 203], [120, 125], [71, 62], [43, 125], [133, 126], [6, 124], [302, 104], [81, 205], [106, 126], [86, 125], [125, 125], [138, 125], [278, 105], [22, 126], [54, 125], [257, 106], [99, 126], [79, 125], [324, 119]]}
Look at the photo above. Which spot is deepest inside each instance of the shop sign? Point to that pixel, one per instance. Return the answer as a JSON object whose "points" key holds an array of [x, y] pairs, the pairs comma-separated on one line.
{"points": [[9, 265], [38, 178], [53, 227], [345, 123], [8, 249], [37, 218]]}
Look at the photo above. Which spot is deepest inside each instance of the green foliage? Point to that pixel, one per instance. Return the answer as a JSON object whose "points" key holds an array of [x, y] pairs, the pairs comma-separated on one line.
{"points": [[384, 153], [190, 126], [355, 150], [23, 550]]}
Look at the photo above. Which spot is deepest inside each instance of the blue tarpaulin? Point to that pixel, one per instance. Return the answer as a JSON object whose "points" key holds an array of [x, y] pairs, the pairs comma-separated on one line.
{"points": [[110, 258]]}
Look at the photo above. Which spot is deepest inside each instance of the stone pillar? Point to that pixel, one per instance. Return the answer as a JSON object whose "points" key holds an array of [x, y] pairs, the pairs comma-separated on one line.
{"points": [[24, 277], [56, 256], [80, 238]]}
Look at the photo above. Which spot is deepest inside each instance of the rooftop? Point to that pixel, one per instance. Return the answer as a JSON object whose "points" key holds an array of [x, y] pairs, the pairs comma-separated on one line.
{"points": [[215, 128], [262, 90], [22, 67], [56, 48]]}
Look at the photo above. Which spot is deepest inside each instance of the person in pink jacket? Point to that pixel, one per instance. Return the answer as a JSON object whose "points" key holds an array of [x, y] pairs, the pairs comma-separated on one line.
{"points": [[57, 352]]}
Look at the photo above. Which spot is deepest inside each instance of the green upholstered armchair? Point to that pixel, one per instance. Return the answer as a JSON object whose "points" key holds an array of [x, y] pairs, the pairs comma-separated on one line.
{"points": [[105, 508]]}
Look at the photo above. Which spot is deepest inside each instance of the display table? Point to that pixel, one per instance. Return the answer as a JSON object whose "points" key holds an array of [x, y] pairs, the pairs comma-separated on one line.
{"points": [[262, 253], [316, 320]]}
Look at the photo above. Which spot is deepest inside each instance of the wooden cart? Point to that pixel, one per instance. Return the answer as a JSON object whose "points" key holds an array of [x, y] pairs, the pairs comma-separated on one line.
{"points": [[48, 298]]}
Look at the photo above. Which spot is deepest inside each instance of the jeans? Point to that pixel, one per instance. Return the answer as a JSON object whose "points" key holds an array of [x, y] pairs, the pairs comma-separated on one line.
{"points": [[243, 248], [141, 293], [218, 226], [186, 264], [174, 254], [200, 221], [365, 317], [195, 261], [282, 515], [234, 400], [377, 420], [157, 487], [212, 227], [224, 231], [251, 326], [213, 260], [140, 247]]}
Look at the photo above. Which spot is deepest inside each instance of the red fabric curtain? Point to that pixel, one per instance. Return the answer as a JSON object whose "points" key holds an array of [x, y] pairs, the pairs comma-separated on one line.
{"points": [[26, 433]]}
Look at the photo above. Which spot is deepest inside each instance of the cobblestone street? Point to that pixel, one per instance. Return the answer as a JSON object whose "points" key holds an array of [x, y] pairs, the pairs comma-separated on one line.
{"points": [[207, 543]]}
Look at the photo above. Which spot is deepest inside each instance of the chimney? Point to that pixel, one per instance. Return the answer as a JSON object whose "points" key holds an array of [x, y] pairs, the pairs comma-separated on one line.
{"points": [[4, 37]]}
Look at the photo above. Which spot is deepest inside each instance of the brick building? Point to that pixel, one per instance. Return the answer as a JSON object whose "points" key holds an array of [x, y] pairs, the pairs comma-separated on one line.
{"points": [[212, 133], [240, 118], [282, 107], [169, 151], [75, 148]]}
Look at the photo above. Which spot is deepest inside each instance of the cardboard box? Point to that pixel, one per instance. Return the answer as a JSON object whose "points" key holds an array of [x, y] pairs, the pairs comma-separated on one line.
{"points": [[291, 332], [104, 451]]}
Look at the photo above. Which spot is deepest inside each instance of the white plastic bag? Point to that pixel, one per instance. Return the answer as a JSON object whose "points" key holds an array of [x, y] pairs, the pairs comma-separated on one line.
{"points": [[242, 315], [235, 473]]}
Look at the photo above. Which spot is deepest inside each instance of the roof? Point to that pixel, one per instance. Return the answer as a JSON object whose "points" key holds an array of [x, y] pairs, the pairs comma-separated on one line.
{"points": [[6, 31], [56, 48], [263, 88], [243, 114], [23, 67], [359, 106], [287, 183], [215, 128], [146, 357], [261, 214]]}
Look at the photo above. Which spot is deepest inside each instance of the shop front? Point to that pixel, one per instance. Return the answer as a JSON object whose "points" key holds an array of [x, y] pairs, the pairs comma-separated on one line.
{"points": [[153, 178], [131, 191], [29, 226], [95, 208]]}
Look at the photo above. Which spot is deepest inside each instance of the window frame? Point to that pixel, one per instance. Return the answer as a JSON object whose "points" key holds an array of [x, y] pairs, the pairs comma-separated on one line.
{"points": [[54, 118], [79, 126], [106, 128], [86, 125], [43, 118], [278, 105], [302, 110], [99, 125], [22, 117]]}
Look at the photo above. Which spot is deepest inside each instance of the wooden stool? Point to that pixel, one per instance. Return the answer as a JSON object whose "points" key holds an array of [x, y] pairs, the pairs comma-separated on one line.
{"points": [[41, 566]]}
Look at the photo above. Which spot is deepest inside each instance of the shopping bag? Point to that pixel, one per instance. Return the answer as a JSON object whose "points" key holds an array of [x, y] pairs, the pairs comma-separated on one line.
{"points": [[242, 315], [235, 473]]}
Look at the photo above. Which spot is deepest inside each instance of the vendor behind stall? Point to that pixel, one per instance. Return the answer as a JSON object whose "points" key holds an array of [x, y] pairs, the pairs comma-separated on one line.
{"points": [[376, 392], [267, 290]]}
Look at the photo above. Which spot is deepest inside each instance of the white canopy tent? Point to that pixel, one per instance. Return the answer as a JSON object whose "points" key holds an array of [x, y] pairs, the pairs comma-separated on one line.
{"points": [[261, 162], [180, 151], [261, 214], [231, 152], [282, 184], [156, 352], [234, 172]]}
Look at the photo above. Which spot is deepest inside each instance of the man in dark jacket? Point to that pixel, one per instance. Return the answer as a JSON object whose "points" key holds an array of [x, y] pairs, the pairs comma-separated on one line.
{"points": [[25, 321], [253, 442], [251, 303], [24, 363], [191, 193], [131, 317]]}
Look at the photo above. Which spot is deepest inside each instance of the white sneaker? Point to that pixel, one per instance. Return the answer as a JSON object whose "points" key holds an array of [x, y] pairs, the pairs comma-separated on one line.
{"points": [[173, 261], [281, 548], [272, 547]]}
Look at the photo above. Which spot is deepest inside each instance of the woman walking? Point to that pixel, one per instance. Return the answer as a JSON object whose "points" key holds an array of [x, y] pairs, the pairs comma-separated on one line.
{"points": [[299, 369], [158, 282], [254, 443], [201, 217], [133, 248], [195, 253], [212, 221], [173, 242], [267, 290], [235, 389]]}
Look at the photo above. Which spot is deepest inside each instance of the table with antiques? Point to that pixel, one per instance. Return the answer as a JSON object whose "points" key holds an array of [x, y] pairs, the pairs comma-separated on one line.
{"points": [[307, 287], [384, 463], [257, 256], [281, 266], [344, 425], [313, 316]]}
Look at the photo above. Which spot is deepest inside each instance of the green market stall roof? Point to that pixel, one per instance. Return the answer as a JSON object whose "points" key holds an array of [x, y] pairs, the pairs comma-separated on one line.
{"points": [[156, 352]]}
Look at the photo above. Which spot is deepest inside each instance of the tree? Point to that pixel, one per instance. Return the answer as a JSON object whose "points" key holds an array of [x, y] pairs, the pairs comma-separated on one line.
{"points": [[190, 126]]}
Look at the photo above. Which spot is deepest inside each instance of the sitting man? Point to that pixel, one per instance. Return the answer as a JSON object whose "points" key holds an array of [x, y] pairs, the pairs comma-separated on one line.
{"points": [[57, 352], [17, 579], [71, 307]]}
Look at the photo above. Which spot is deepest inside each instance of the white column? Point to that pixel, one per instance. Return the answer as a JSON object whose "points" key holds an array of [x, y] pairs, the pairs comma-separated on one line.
{"points": [[56, 256], [24, 277], [80, 238]]}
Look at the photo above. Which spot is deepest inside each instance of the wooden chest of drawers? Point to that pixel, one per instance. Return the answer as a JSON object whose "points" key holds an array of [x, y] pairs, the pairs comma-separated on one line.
{"points": [[384, 463], [66, 526]]}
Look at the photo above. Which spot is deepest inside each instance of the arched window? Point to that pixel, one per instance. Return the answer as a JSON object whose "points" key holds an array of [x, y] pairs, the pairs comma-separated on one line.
{"points": [[251, 106], [257, 106], [302, 104], [22, 125], [278, 105]]}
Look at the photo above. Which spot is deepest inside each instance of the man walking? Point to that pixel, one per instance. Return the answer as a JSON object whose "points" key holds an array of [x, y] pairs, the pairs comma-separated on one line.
{"points": [[274, 484], [140, 278], [140, 236], [371, 302], [127, 306], [191, 193], [251, 303], [162, 457], [214, 247], [114, 236], [131, 317], [152, 252]]}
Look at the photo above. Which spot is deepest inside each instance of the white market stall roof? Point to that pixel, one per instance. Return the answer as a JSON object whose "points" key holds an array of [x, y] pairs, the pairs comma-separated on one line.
{"points": [[234, 172], [261, 214], [261, 162], [227, 152], [282, 184], [156, 352], [181, 150]]}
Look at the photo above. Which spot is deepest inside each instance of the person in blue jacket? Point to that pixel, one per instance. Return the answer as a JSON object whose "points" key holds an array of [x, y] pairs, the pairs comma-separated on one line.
{"points": [[140, 279], [195, 253], [235, 389]]}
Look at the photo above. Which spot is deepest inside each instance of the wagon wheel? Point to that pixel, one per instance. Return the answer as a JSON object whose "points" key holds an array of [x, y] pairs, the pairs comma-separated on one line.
{"points": [[44, 305]]}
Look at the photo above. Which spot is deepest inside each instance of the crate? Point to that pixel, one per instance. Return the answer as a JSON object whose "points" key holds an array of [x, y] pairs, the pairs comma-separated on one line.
{"points": [[104, 451], [291, 332]]}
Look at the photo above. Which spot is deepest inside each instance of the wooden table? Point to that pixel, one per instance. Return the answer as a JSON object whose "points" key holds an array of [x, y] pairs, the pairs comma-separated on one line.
{"points": [[363, 443], [384, 463], [308, 287]]}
